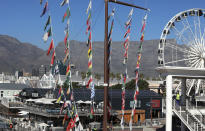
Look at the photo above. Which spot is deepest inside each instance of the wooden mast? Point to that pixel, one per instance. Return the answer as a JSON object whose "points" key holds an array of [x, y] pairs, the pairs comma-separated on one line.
{"points": [[106, 68]]}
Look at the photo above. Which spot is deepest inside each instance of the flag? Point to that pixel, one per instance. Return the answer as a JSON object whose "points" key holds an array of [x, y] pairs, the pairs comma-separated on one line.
{"points": [[131, 12], [122, 123], [79, 127], [71, 124], [127, 32], [112, 13], [53, 57], [68, 91], [66, 57], [76, 119], [89, 82], [128, 23], [89, 7], [142, 37], [50, 47], [92, 90], [68, 70], [44, 9], [59, 99], [144, 23], [88, 19], [65, 118], [47, 34], [64, 2], [88, 28], [66, 15], [89, 39], [66, 38], [48, 22], [110, 33]]}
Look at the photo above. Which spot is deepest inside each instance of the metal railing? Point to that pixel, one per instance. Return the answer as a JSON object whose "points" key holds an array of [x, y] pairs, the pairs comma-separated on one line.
{"points": [[190, 120]]}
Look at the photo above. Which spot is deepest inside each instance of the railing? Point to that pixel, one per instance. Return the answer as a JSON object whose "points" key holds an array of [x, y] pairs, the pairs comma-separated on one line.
{"points": [[198, 119], [190, 120], [180, 111]]}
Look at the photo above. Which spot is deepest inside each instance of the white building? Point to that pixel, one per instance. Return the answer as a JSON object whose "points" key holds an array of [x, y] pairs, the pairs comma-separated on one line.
{"points": [[10, 90]]}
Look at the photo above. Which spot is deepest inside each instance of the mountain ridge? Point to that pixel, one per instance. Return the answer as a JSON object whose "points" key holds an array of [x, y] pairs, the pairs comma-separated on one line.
{"points": [[16, 55]]}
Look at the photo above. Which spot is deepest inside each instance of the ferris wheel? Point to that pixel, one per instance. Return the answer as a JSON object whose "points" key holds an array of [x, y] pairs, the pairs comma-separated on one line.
{"points": [[182, 43]]}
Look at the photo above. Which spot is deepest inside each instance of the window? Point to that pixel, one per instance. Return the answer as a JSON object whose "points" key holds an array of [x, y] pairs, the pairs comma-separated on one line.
{"points": [[138, 104], [2, 93], [34, 94]]}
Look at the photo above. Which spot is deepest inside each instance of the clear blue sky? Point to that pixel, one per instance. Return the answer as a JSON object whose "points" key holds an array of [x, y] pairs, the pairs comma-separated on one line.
{"points": [[21, 19]]}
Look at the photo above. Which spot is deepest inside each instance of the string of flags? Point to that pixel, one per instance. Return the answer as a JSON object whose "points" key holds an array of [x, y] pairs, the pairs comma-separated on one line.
{"points": [[111, 15], [139, 54], [90, 85], [48, 33], [125, 55], [71, 111]]}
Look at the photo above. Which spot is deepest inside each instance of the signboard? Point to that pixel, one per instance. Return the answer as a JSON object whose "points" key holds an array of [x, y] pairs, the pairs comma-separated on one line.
{"points": [[155, 103]]}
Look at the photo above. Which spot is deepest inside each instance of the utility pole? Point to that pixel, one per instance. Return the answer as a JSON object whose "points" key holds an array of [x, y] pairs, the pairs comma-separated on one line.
{"points": [[106, 68]]}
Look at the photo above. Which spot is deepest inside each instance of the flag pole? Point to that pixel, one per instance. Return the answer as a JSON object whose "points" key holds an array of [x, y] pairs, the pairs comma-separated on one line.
{"points": [[106, 68]]}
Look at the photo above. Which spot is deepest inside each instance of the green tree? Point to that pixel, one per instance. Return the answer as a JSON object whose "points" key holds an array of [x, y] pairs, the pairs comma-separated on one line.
{"points": [[141, 76], [142, 84], [112, 76], [97, 76]]}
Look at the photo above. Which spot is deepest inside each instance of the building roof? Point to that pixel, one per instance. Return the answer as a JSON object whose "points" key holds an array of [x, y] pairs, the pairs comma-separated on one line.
{"points": [[12, 86]]}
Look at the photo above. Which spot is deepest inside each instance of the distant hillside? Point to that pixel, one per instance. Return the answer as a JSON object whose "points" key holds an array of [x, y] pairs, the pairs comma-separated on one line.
{"points": [[79, 57], [15, 55]]}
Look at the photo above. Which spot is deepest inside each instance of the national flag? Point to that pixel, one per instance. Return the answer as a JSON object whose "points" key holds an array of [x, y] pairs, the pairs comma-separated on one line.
{"points": [[53, 57], [131, 12], [59, 99], [142, 37], [79, 127], [88, 19], [88, 28], [144, 23], [122, 123], [76, 119], [89, 39], [66, 57], [89, 7], [64, 2], [68, 70], [126, 40], [47, 23], [71, 124], [110, 33], [50, 47], [127, 32], [47, 34], [44, 9], [128, 23], [65, 118], [66, 38], [112, 13], [89, 82], [66, 15]]}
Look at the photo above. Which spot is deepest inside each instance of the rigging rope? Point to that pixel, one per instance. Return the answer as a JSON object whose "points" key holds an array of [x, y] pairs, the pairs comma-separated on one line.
{"points": [[124, 76], [139, 54], [90, 83]]}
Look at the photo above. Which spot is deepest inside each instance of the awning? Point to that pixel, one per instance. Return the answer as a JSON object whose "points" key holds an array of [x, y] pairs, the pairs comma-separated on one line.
{"points": [[22, 113]]}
